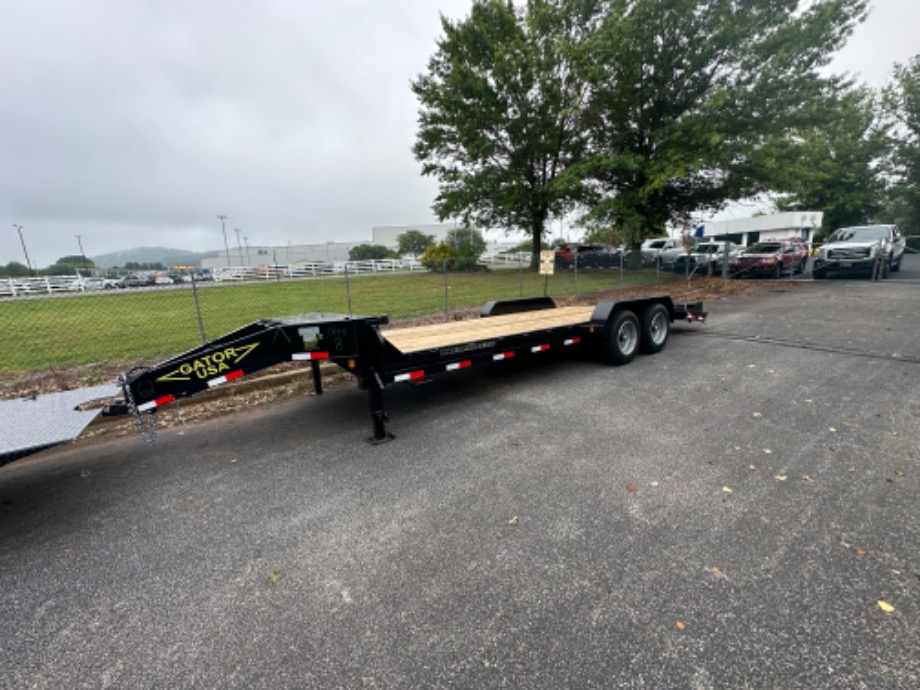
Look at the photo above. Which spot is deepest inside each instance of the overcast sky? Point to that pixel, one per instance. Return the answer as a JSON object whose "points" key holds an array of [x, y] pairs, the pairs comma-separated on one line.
{"points": [[136, 122]]}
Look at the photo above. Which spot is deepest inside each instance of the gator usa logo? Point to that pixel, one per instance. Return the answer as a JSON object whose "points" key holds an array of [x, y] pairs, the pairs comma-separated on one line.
{"points": [[210, 365]]}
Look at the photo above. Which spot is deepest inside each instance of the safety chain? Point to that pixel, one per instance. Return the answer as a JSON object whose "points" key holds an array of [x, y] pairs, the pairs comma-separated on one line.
{"points": [[146, 428]]}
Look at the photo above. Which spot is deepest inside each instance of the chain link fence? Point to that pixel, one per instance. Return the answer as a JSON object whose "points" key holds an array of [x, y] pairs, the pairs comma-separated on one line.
{"points": [[79, 331]]}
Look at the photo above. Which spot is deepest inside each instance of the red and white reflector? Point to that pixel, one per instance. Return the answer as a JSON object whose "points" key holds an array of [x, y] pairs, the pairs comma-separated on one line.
{"points": [[539, 348], [155, 403], [411, 376], [502, 355], [459, 365], [310, 355], [231, 376], [571, 341]]}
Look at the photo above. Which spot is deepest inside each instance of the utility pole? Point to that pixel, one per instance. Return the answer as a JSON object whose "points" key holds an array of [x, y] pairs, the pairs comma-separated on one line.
{"points": [[224, 230], [82, 253], [248, 258], [24, 250], [239, 246]]}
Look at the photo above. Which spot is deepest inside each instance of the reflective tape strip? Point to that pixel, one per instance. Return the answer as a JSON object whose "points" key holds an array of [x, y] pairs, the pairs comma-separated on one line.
{"points": [[411, 376], [503, 355], [572, 341], [459, 365], [156, 403], [310, 355], [539, 348], [233, 375]]}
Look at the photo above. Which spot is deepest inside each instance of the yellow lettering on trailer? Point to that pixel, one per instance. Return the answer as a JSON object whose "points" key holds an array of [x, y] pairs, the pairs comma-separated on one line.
{"points": [[210, 365]]}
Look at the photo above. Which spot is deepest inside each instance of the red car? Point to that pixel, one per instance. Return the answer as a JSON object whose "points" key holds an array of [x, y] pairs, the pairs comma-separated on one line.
{"points": [[772, 258]]}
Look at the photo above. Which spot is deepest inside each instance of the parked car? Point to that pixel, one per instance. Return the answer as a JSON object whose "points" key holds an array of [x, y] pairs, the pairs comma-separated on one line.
{"points": [[138, 280], [652, 249], [668, 257], [870, 249], [587, 256], [771, 258], [706, 257], [99, 283]]}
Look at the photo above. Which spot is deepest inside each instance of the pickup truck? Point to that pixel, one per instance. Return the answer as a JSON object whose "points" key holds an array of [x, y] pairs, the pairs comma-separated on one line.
{"points": [[871, 249], [652, 249], [706, 257]]}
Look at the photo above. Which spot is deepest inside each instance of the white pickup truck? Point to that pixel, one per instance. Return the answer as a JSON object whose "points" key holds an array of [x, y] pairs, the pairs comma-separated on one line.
{"points": [[871, 249]]}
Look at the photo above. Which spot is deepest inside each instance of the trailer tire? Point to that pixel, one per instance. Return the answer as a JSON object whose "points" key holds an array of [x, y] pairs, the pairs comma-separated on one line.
{"points": [[625, 336], [656, 326]]}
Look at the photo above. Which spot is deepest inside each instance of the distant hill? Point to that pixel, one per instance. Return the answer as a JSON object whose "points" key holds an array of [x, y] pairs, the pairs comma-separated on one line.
{"points": [[150, 255]]}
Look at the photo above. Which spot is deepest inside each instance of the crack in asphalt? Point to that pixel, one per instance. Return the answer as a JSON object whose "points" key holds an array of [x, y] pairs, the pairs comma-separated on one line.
{"points": [[804, 345]]}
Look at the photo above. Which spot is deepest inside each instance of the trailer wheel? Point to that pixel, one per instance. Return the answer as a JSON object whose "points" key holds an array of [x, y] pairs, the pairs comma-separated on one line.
{"points": [[656, 326], [624, 337]]}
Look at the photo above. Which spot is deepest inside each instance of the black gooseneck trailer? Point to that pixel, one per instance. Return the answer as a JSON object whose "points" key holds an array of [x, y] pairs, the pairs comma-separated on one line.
{"points": [[380, 357]]}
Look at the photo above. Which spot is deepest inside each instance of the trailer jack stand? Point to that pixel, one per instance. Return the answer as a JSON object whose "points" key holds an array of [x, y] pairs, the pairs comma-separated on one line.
{"points": [[378, 415]]}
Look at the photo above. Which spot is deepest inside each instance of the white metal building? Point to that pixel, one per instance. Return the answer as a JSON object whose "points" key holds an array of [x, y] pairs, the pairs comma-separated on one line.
{"points": [[774, 226]]}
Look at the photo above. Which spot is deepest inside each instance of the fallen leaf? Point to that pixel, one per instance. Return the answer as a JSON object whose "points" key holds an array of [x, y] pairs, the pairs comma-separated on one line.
{"points": [[899, 473], [807, 478], [513, 521], [858, 551], [885, 606], [715, 570], [275, 576], [770, 371], [780, 477], [679, 625], [632, 487], [757, 414], [752, 468], [726, 489], [832, 429]]}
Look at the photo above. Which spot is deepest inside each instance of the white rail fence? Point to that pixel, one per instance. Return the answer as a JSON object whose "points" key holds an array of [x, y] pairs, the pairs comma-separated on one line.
{"points": [[46, 285]]}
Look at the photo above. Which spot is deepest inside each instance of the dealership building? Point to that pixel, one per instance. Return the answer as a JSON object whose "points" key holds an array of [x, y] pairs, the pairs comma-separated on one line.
{"points": [[773, 226]]}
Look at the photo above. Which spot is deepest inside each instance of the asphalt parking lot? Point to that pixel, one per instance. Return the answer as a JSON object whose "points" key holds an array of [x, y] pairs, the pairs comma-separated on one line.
{"points": [[738, 511]]}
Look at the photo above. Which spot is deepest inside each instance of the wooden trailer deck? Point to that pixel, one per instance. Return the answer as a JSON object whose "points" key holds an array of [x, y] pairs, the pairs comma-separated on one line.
{"points": [[438, 335]]}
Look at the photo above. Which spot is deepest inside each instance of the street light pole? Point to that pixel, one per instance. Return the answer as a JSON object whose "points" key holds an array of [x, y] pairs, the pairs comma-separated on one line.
{"points": [[224, 230], [248, 257], [24, 250]]}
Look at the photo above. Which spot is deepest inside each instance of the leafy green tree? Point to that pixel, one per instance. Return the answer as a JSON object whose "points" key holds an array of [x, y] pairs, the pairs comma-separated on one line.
{"points": [[688, 98], [445, 256], [646, 112], [369, 252], [834, 163], [500, 108], [468, 240], [902, 101], [439, 257], [414, 242], [69, 265], [609, 235], [14, 269]]}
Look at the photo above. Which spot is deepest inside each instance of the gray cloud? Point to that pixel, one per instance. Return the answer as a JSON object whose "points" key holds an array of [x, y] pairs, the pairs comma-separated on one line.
{"points": [[135, 123]]}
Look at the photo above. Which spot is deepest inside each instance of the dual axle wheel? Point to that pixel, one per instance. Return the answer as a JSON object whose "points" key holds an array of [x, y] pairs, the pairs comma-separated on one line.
{"points": [[630, 334]]}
